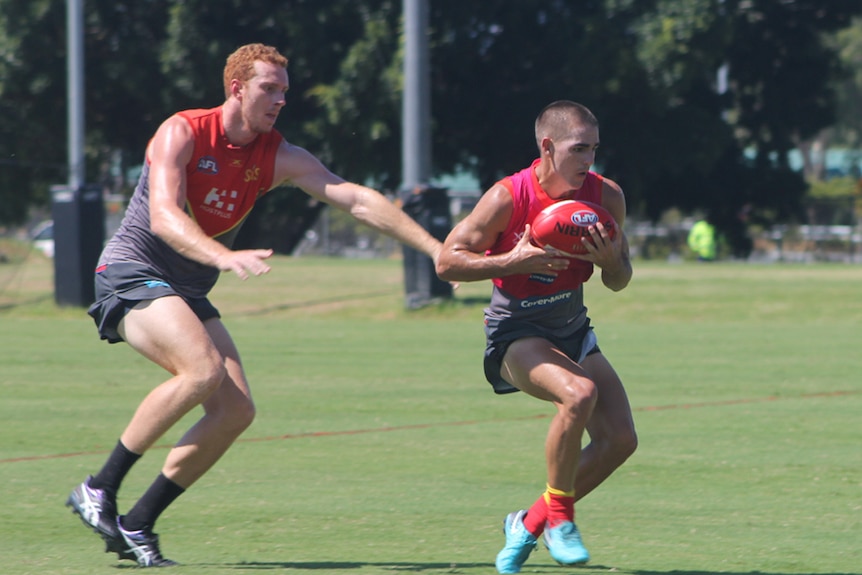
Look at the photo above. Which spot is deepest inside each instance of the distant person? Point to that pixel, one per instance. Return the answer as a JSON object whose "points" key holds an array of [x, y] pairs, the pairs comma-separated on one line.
{"points": [[204, 170], [702, 240], [539, 338]]}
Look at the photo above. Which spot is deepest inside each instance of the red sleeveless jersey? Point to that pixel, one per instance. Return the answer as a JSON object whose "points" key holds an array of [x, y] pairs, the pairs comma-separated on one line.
{"points": [[223, 180], [222, 183], [528, 199]]}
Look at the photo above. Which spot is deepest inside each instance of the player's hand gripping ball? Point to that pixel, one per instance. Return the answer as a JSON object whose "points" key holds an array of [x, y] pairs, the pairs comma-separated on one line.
{"points": [[564, 225]]}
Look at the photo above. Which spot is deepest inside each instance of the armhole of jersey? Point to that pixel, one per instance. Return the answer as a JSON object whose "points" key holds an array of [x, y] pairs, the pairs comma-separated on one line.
{"points": [[507, 183], [188, 120], [276, 143], [600, 179], [601, 192], [597, 191]]}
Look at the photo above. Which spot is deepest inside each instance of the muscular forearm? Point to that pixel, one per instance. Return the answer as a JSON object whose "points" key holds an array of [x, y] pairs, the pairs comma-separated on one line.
{"points": [[374, 210], [619, 277], [450, 270], [461, 265], [187, 238]]}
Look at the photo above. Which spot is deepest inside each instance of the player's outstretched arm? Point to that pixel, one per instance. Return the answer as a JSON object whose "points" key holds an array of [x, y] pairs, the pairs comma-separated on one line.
{"points": [[298, 167]]}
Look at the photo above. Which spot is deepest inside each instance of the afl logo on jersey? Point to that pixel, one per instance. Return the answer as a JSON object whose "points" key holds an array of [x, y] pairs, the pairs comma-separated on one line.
{"points": [[208, 165]]}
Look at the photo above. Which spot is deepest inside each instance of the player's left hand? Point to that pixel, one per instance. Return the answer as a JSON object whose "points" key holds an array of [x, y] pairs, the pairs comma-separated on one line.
{"points": [[602, 250]]}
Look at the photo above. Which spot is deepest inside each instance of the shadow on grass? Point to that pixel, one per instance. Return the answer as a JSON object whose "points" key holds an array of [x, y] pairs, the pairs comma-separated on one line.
{"points": [[335, 566], [316, 302], [701, 572], [454, 302], [418, 567]]}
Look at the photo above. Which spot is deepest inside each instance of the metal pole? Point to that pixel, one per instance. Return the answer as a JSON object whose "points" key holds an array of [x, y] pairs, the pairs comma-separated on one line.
{"points": [[75, 91], [416, 111]]}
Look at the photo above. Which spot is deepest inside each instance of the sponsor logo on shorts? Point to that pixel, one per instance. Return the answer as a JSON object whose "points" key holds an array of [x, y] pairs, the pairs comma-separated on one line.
{"points": [[544, 301], [156, 283]]}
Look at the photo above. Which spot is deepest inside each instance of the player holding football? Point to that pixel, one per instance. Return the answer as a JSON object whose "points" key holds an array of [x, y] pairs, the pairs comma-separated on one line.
{"points": [[539, 338], [204, 171]]}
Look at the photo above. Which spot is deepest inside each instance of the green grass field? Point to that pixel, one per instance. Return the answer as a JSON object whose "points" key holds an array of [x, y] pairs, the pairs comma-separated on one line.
{"points": [[379, 448]]}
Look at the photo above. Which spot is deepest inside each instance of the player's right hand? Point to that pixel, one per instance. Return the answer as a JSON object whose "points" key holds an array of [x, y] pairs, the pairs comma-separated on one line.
{"points": [[246, 262]]}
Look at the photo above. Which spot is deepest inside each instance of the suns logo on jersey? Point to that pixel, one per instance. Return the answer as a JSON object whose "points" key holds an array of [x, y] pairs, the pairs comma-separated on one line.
{"points": [[252, 174], [208, 165]]}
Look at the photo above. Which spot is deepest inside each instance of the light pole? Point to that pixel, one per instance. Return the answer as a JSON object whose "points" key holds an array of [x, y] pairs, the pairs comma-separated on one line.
{"points": [[427, 205], [416, 106], [75, 91]]}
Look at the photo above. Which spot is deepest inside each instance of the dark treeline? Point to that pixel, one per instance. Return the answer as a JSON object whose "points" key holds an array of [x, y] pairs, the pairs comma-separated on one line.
{"points": [[699, 100]]}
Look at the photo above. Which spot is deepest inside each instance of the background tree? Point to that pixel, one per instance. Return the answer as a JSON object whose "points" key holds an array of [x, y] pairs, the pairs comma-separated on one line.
{"points": [[650, 72], [846, 131], [344, 98], [782, 79], [847, 42], [32, 108], [649, 69]]}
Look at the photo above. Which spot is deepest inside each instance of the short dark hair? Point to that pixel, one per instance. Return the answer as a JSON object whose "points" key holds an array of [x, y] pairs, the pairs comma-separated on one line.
{"points": [[557, 117]]}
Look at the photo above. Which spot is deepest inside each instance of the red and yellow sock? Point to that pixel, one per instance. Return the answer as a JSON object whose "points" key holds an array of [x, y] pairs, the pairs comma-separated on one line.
{"points": [[561, 506], [552, 508], [536, 517]]}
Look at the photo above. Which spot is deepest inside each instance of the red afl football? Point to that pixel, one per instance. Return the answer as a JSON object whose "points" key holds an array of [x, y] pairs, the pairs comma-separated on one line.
{"points": [[564, 225]]}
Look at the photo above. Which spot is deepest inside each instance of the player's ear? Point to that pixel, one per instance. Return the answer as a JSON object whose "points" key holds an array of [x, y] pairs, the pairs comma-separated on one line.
{"points": [[547, 146], [236, 88]]}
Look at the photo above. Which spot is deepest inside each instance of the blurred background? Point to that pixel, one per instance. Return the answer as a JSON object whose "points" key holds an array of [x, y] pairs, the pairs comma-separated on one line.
{"points": [[743, 113]]}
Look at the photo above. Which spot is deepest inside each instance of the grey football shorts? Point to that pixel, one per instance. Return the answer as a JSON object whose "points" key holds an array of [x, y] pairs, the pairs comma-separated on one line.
{"points": [[501, 333], [121, 286]]}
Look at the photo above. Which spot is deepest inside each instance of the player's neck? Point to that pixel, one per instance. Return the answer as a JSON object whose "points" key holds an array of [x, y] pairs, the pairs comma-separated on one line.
{"points": [[237, 132], [552, 184]]}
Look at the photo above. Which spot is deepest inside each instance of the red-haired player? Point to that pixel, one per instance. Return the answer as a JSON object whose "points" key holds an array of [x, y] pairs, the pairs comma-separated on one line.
{"points": [[204, 171]]}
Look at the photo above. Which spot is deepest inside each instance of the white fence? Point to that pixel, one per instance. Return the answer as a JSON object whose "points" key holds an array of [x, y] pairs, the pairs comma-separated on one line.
{"points": [[783, 243]]}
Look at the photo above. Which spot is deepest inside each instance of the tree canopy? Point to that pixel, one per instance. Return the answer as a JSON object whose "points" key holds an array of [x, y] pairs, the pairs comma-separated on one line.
{"points": [[699, 101]]}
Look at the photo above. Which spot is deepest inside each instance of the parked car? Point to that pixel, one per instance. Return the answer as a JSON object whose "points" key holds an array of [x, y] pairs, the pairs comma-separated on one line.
{"points": [[43, 238]]}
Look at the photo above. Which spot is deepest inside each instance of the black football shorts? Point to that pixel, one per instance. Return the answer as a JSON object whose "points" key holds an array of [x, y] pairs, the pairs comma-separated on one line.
{"points": [[121, 286], [501, 333]]}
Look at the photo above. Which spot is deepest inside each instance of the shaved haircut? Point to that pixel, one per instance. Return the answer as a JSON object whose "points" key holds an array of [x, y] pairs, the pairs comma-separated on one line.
{"points": [[556, 119]]}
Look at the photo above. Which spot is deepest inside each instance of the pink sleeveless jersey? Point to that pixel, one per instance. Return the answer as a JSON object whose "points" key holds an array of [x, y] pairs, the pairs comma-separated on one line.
{"points": [[528, 199], [552, 303]]}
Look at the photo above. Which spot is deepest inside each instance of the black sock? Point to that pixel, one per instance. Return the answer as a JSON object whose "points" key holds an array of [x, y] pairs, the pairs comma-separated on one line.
{"points": [[143, 515], [115, 469]]}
